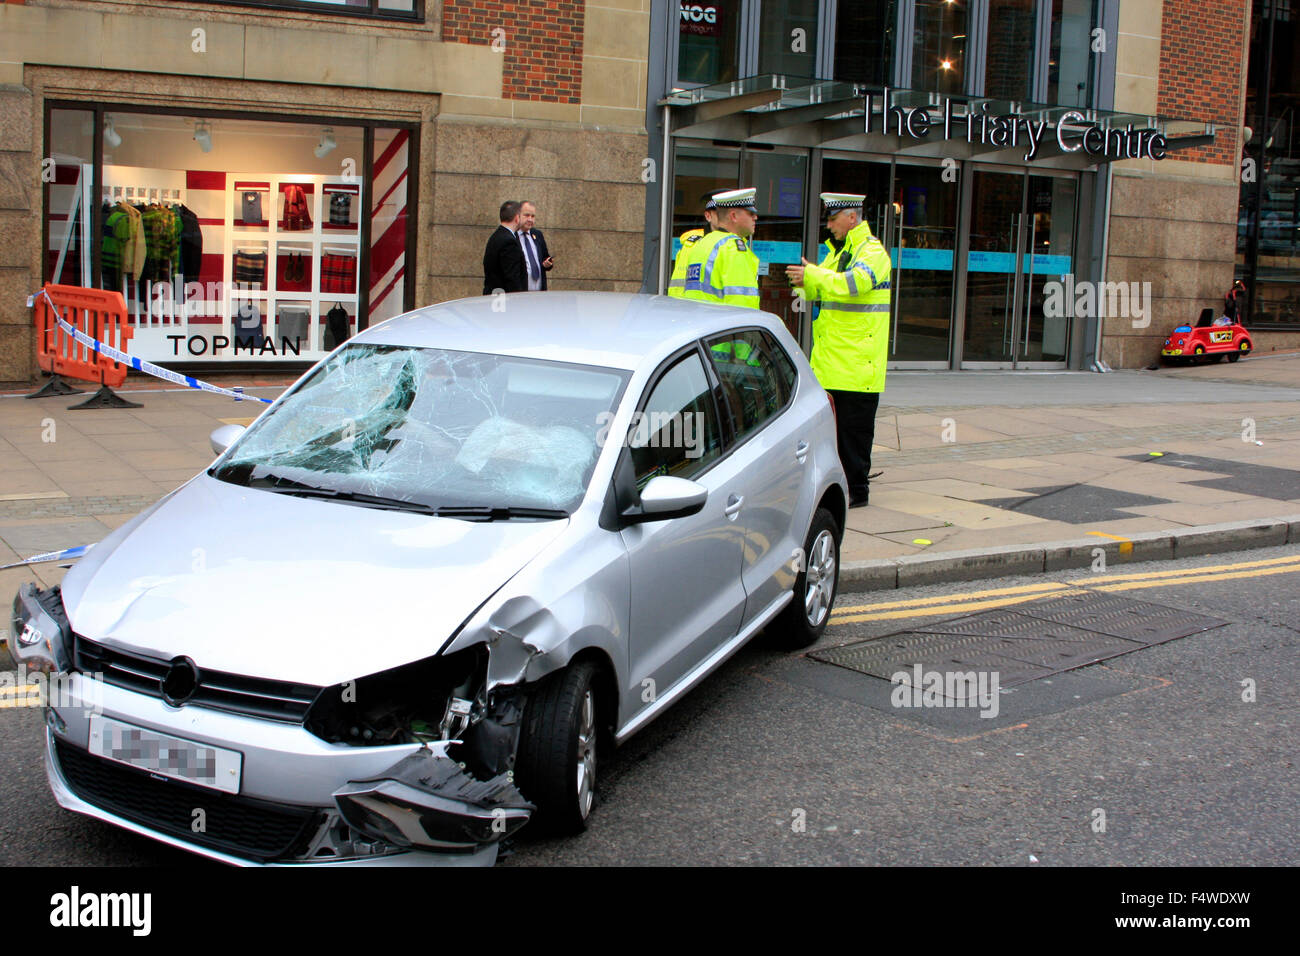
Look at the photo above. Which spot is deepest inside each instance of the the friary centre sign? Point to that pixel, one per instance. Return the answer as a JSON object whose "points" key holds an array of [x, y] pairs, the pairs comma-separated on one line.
{"points": [[1071, 131]]}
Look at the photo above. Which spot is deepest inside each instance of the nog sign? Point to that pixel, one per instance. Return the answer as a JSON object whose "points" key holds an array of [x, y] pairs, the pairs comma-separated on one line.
{"points": [[700, 20]]}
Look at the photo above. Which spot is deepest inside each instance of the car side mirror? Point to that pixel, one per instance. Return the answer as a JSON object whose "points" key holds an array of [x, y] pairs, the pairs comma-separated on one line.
{"points": [[667, 497], [224, 437]]}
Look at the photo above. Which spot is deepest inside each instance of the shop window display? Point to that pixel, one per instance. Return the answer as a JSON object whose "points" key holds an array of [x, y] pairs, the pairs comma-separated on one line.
{"points": [[228, 238]]}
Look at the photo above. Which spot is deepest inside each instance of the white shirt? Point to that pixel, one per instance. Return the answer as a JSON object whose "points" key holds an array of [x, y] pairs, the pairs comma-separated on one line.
{"points": [[530, 248]]}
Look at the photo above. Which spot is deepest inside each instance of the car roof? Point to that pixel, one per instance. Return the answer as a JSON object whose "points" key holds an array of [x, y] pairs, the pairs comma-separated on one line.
{"points": [[612, 329]]}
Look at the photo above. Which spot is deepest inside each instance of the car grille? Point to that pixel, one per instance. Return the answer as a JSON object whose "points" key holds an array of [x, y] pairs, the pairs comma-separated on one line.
{"points": [[234, 693], [240, 826]]}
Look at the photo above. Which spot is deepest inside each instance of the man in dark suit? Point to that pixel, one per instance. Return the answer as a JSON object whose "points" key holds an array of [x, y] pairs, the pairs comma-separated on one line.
{"points": [[503, 259], [537, 258]]}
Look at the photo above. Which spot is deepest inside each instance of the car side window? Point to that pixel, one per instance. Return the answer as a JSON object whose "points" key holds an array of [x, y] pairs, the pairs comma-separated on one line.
{"points": [[755, 381], [677, 432]]}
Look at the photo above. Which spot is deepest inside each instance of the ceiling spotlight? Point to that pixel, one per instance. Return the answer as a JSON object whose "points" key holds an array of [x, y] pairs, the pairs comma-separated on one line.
{"points": [[203, 135], [327, 143], [946, 64], [111, 136]]}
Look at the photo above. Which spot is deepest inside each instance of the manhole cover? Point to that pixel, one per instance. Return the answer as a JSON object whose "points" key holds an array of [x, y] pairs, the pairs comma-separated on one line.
{"points": [[1024, 644], [1121, 617]]}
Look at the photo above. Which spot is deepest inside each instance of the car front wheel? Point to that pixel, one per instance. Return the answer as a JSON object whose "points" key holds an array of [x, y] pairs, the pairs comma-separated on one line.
{"points": [[556, 763], [804, 618]]}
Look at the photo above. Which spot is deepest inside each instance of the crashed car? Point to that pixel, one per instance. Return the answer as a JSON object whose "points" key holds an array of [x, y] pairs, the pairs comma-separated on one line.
{"points": [[413, 605], [1211, 338]]}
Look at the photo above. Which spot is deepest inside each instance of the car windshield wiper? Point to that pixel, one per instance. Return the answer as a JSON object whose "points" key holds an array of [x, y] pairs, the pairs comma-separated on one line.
{"points": [[356, 498], [496, 513], [301, 489]]}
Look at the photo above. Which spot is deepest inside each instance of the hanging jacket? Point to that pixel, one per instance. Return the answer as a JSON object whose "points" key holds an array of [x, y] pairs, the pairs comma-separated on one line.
{"points": [[296, 215], [134, 250], [191, 244], [851, 331]]}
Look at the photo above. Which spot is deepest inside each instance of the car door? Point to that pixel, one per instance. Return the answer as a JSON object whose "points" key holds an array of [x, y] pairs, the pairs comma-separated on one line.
{"points": [[773, 446], [687, 598]]}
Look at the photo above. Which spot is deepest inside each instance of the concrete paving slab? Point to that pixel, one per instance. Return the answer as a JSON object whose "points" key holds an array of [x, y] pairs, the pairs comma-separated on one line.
{"points": [[28, 538], [963, 490], [862, 547], [875, 519], [1186, 513], [963, 513], [1015, 464]]}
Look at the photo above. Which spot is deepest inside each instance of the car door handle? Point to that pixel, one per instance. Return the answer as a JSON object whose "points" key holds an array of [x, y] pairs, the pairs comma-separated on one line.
{"points": [[801, 451], [733, 505]]}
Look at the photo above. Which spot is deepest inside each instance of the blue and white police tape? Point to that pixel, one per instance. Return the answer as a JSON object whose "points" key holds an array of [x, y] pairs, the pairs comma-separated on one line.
{"points": [[157, 371], [66, 554]]}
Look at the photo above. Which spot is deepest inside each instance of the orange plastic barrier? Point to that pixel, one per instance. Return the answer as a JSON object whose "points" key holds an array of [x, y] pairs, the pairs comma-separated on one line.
{"points": [[96, 312]]}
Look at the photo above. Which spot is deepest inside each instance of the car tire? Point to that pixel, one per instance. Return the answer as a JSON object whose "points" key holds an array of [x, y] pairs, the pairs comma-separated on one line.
{"points": [[1243, 350], [555, 767], [804, 619]]}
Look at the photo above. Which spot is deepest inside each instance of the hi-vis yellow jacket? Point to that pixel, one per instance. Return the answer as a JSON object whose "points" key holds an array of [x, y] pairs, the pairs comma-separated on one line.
{"points": [[851, 331], [677, 284], [722, 269]]}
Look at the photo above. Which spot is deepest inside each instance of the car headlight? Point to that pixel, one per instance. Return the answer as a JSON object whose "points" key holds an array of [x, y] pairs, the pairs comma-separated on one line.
{"points": [[40, 635]]}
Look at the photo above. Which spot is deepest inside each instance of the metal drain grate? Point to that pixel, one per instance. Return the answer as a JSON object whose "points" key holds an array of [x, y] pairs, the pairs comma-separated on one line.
{"points": [[1121, 617], [1025, 644]]}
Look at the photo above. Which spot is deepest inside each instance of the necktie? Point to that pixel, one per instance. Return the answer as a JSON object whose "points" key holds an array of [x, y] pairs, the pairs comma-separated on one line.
{"points": [[534, 270]]}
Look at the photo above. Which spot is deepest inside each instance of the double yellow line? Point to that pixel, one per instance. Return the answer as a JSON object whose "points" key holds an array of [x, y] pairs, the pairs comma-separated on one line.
{"points": [[1003, 597]]}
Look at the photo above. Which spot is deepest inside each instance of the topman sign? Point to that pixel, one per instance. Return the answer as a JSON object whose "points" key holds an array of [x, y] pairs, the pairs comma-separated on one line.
{"points": [[976, 125]]}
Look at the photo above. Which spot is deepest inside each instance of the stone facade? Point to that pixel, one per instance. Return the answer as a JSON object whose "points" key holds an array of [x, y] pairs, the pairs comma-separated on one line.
{"points": [[485, 133]]}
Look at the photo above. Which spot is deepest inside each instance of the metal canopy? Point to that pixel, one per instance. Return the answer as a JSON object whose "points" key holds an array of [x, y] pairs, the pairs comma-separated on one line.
{"points": [[831, 114]]}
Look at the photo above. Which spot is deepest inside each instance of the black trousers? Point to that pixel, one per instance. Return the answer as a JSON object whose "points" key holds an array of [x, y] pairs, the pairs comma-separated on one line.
{"points": [[855, 426]]}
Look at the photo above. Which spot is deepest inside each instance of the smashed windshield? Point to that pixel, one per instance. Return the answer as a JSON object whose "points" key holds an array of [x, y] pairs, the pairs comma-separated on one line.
{"points": [[433, 427]]}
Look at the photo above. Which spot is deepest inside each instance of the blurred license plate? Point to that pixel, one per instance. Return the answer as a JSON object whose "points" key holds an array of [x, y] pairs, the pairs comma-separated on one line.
{"points": [[162, 754]]}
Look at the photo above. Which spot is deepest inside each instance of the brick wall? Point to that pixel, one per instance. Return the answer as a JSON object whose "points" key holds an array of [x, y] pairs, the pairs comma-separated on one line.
{"points": [[1202, 43], [543, 43]]}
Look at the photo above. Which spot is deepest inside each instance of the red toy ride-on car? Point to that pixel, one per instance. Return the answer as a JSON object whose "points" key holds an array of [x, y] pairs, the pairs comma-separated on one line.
{"points": [[1210, 339]]}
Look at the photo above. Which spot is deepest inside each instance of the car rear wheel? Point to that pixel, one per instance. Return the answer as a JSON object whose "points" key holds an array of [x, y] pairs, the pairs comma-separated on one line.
{"points": [[556, 764], [804, 618], [1243, 349]]}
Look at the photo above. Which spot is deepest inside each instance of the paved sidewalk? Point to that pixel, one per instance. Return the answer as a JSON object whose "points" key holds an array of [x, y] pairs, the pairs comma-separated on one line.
{"points": [[971, 461], [989, 459]]}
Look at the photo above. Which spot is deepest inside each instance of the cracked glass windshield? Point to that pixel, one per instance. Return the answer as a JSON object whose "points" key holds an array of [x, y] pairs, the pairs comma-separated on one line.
{"points": [[433, 430]]}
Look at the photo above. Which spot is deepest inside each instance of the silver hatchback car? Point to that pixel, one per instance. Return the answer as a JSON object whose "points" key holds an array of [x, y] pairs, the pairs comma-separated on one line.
{"points": [[411, 606]]}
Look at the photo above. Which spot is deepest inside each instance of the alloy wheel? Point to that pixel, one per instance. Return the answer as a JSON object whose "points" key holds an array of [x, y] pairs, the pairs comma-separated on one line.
{"points": [[586, 754], [820, 579]]}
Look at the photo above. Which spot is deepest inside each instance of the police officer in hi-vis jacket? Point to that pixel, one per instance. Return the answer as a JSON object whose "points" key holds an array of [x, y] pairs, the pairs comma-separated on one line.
{"points": [[850, 330]]}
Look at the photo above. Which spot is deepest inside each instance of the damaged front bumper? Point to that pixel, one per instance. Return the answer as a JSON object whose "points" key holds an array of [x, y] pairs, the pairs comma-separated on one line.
{"points": [[63, 793], [427, 801], [392, 805]]}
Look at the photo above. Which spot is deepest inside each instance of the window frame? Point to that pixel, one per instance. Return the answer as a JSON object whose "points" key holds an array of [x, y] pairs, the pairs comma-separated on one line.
{"points": [[726, 437], [738, 440], [370, 12]]}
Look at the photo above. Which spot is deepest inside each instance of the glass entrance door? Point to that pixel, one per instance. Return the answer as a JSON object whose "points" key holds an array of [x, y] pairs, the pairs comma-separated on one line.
{"points": [[1021, 237], [914, 213], [1049, 218], [921, 248]]}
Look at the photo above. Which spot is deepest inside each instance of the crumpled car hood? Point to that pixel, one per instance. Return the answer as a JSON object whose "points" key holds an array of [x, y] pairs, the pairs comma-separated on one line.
{"points": [[253, 582]]}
